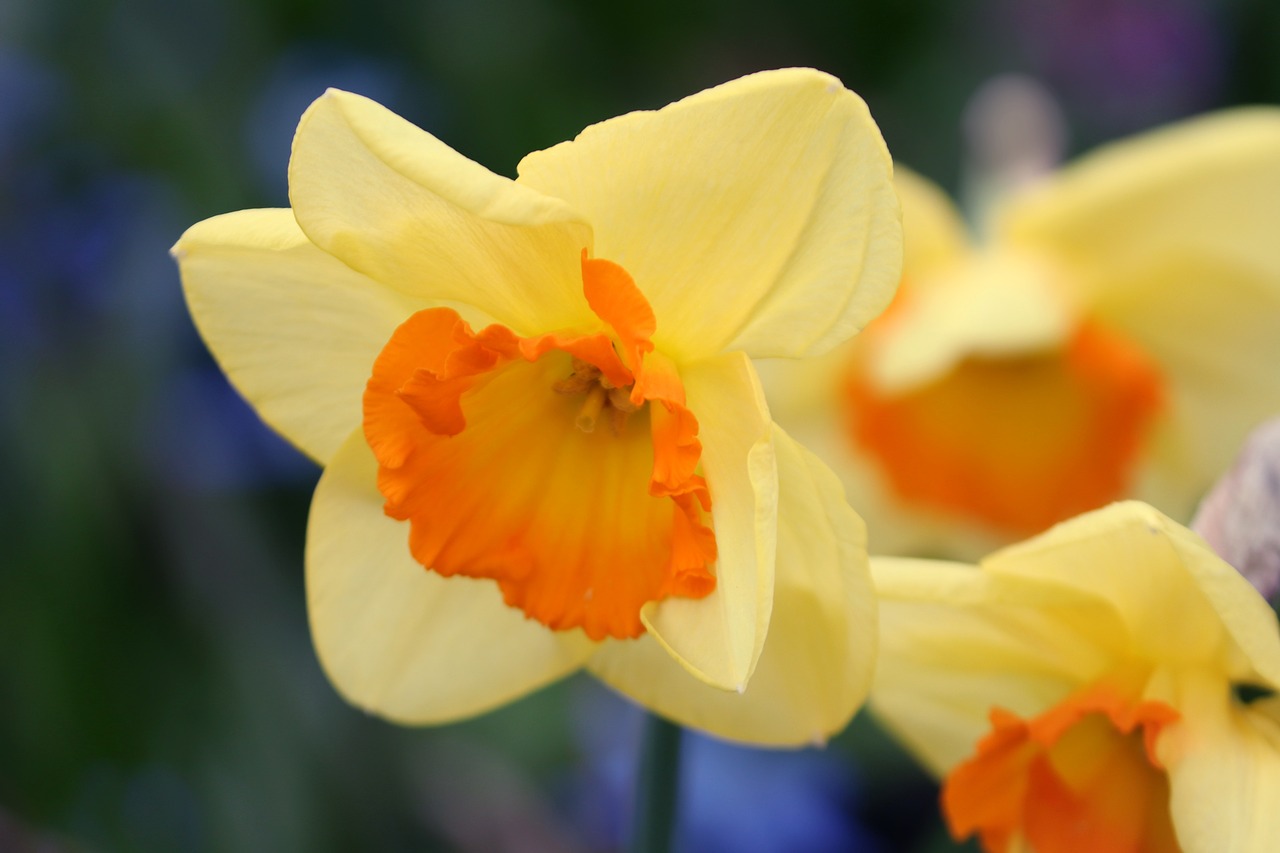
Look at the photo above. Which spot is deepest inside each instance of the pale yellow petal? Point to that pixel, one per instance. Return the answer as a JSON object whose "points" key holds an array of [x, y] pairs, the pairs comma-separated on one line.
{"points": [[1212, 328], [992, 305], [956, 642], [295, 330], [1223, 760], [719, 638], [758, 215], [1155, 574], [817, 659], [1170, 237], [397, 204], [1246, 616], [1205, 190], [403, 642], [933, 232]]}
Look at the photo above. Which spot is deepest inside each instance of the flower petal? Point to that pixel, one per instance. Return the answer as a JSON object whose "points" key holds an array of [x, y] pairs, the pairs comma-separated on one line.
{"points": [[1212, 329], [934, 234], [758, 215], [294, 329], [403, 642], [1224, 769], [956, 641], [999, 305], [816, 664], [1146, 568], [1171, 236], [719, 638], [399, 205], [1206, 189]]}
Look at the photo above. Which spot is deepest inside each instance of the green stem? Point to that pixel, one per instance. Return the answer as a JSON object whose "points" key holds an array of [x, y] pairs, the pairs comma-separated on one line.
{"points": [[656, 787]]}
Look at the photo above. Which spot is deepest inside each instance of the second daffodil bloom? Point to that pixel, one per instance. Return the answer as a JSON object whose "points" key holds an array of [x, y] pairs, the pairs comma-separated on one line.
{"points": [[544, 443], [1115, 334], [1106, 686]]}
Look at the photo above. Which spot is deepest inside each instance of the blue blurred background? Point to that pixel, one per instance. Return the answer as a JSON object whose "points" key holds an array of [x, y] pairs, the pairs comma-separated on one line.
{"points": [[158, 691]]}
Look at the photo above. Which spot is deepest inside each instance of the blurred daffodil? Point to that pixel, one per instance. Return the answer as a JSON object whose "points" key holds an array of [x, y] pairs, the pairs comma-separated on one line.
{"points": [[541, 391], [1117, 334], [1108, 685]]}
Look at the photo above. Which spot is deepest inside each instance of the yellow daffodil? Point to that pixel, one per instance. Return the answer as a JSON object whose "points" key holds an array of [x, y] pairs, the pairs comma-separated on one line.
{"points": [[1116, 334], [544, 443], [1094, 688]]}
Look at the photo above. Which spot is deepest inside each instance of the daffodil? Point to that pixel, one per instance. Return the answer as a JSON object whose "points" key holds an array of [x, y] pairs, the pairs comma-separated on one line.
{"points": [[1115, 334], [1108, 685], [544, 444]]}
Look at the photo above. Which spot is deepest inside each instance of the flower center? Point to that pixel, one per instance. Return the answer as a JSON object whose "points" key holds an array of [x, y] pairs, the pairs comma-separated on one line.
{"points": [[603, 398], [1019, 443], [488, 445], [1082, 776]]}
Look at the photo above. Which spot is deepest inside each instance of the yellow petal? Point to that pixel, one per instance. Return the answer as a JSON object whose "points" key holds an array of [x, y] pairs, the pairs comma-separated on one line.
{"points": [[962, 303], [956, 641], [1213, 330], [994, 305], [817, 659], [758, 215], [719, 638], [1246, 616], [934, 235], [1223, 760], [1171, 240], [403, 642], [397, 204], [1206, 189], [294, 329], [1151, 572]]}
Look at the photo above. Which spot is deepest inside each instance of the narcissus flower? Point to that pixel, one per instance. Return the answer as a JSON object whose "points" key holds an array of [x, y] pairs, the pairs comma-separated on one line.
{"points": [[1115, 335], [544, 443], [1108, 685]]}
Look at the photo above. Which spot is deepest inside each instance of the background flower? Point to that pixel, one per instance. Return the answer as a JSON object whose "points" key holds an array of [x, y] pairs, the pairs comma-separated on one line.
{"points": [[1116, 646], [1109, 336]]}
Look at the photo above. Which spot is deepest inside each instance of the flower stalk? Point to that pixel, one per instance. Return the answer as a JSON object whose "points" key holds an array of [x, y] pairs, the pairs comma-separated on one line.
{"points": [[657, 787]]}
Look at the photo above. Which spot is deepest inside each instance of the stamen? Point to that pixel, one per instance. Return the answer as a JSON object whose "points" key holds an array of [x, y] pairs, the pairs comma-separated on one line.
{"points": [[588, 379], [590, 410], [584, 375], [620, 399], [574, 384]]}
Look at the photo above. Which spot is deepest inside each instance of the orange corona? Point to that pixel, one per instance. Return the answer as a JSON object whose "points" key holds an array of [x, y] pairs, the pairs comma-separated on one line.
{"points": [[1082, 776], [562, 466], [1019, 443]]}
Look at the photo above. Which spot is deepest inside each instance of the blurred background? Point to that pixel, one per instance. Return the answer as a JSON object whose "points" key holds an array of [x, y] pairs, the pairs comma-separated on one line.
{"points": [[158, 691]]}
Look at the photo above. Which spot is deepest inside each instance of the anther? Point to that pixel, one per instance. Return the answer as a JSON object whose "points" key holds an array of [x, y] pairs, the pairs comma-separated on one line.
{"points": [[574, 384], [620, 399], [584, 375]]}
